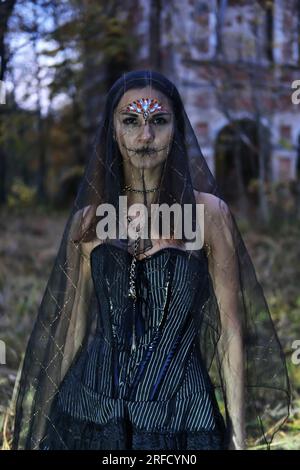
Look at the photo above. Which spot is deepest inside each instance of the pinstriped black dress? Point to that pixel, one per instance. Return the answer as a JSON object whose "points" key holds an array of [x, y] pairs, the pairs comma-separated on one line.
{"points": [[158, 396]]}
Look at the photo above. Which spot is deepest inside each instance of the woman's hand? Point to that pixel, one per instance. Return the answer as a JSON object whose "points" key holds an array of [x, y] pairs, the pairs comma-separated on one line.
{"points": [[237, 443]]}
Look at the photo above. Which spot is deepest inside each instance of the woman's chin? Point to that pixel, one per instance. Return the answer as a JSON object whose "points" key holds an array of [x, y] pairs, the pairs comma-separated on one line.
{"points": [[147, 161]]}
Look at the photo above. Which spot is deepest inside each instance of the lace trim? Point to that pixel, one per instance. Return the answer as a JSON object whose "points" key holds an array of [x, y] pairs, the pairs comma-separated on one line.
{"points": [[67, 433]]}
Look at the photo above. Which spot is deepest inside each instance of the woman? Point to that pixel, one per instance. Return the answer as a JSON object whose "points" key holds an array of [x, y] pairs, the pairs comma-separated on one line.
{"points": [[150, 342]]}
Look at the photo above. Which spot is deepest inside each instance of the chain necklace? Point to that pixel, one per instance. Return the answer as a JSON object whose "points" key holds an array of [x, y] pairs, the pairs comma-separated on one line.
{"points": [[132, 288], [130, 188]]}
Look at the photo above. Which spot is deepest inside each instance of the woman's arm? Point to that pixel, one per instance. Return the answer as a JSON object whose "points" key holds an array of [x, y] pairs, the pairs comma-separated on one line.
{"points": [[223, 267], [78, 261]]}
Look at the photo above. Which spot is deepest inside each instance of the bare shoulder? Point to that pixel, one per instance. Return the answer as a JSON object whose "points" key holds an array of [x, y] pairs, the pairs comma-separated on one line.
{"points": [[213, 205], [85, 212], [80, 223], [217, 216], [82, 218]]}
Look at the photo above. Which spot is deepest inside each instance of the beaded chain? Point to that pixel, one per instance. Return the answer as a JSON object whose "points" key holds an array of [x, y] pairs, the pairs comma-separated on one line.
{"points": [[132, 287], [133, 295]]}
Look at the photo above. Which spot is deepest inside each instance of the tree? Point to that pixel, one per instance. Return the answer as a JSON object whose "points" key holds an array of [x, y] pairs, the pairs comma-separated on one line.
{"points": [[6, 9]]}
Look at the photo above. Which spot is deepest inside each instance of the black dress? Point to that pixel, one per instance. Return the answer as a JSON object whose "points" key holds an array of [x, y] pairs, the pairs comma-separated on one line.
{"points": [[158, 396]]}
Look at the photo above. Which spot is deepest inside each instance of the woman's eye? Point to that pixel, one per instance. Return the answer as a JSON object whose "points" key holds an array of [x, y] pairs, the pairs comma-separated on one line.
{"points": [[160, 121], [132, 120], [129, 121]]}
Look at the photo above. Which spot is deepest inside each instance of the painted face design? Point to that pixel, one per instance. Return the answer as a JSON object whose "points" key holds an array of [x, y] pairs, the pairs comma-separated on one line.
{"points": [[144, 128], [145, 106]]}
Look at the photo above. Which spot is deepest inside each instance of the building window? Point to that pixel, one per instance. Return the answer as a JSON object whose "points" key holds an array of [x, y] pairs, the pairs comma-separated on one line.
{"points": [[284, 168], [202, 129], [285, 131], [269, 32], [298, 29]]}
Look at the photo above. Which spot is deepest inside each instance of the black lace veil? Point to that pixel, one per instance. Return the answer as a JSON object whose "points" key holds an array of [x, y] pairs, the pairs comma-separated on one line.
{"points": [[66, 318]]}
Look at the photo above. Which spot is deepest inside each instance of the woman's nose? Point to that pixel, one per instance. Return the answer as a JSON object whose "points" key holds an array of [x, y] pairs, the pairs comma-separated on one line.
{"points": [[147, 133]]}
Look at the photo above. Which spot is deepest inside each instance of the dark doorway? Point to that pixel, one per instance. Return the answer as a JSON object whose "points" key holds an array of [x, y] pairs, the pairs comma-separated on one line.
{"points": [[237, 159]]}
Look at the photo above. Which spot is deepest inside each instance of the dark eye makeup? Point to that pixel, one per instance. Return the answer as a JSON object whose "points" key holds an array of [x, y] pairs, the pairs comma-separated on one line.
{"points": [[132, 120]]}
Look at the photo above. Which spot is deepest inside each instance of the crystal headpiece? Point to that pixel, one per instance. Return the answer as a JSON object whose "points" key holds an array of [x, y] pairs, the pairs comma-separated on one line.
{"points": [[145, 106]]}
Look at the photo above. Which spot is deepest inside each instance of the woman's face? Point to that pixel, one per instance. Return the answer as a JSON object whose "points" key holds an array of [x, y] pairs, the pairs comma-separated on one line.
{"points": [[144, 140]]}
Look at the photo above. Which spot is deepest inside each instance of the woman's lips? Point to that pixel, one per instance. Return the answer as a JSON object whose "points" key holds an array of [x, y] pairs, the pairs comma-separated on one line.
{"points": [[146, 152]]}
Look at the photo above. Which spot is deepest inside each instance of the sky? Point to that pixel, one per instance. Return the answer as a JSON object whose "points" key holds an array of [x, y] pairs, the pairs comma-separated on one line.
{"points": [[27, 66]]}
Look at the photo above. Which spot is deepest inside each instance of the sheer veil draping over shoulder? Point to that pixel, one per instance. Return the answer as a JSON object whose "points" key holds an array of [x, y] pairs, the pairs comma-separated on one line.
{"points": [[65, 321]]}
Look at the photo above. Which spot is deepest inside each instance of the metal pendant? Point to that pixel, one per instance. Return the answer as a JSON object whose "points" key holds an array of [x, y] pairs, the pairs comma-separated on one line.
{"points": [[132, 291]]}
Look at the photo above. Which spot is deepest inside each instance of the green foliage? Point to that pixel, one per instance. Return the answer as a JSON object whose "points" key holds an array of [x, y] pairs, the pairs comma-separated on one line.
{"points": [[286, 143], [21, 195], [283, 204]]}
